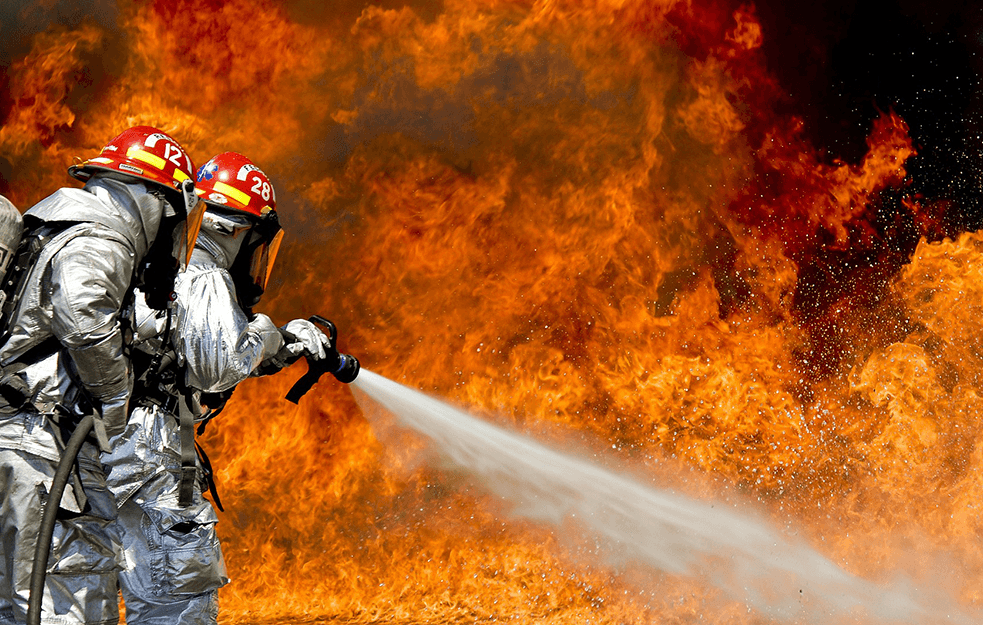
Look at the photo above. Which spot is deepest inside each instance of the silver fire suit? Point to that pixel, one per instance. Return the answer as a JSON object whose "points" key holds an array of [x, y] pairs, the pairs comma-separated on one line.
{"points": [[173, 560], [67, 342]]}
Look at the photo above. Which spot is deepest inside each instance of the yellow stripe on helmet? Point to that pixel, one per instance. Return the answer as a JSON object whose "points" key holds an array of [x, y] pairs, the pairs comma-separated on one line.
{"points": [[235, 194], [147, 157], [179, 175]]}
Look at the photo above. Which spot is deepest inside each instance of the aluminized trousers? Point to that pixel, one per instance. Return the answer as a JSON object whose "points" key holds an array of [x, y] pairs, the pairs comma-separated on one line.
{"points": [[86, 555], [173, 561]]}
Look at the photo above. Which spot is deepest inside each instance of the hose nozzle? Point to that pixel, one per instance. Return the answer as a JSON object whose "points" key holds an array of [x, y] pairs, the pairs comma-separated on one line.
{"points": [[348, 368], [344, 367]]}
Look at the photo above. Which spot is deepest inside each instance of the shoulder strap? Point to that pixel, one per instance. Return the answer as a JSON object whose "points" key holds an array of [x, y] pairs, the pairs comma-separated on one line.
{"points": [[36, 236]]}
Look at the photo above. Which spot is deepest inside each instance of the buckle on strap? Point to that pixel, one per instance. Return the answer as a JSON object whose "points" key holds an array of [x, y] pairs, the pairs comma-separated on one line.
{"points": [[166, 402]]}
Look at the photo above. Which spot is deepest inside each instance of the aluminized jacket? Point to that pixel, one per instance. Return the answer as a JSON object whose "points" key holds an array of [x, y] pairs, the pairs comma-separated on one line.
{"points": [[174, 564], [216, 346], [74, 294]]}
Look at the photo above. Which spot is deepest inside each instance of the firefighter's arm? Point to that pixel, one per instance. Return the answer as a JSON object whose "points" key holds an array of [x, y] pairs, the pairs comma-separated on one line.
{"points": [[215, 340], [89, 279]]}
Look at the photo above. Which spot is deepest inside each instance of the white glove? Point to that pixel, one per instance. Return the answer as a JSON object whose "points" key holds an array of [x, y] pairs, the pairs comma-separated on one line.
{"points": [[303, 338]]}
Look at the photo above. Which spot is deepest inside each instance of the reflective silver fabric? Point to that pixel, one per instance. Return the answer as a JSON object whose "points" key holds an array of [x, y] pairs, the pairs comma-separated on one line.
{"points": [[213, 338], [218, 348], [221, 237], [74, 293], [173, 561], [86, 555], [77, 287], [123, 207]]}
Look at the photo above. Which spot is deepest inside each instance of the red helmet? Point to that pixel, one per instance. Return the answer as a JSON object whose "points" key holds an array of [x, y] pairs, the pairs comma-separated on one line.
{"points": [[231, 181], [146, 153], [142, 152]]}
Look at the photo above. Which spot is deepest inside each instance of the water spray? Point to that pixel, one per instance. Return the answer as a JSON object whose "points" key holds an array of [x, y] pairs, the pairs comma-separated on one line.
{"points": [[730, 548]]}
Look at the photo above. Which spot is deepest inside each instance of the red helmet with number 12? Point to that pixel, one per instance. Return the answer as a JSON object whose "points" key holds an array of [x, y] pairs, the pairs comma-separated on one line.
{"points": [[141, 152], [148, 154]]}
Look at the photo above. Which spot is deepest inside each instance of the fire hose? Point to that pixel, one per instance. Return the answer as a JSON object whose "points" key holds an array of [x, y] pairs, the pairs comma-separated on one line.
{"points": [[43, 546], [344, 367]]}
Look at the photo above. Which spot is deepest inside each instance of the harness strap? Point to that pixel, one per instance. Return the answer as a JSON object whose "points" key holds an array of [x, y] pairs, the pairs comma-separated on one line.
{"points": [[189, 468], [13, 389], [65, 425]]}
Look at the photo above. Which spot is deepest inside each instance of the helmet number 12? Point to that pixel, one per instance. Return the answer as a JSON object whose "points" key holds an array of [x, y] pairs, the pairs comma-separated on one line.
{"points": [[173, 154]]}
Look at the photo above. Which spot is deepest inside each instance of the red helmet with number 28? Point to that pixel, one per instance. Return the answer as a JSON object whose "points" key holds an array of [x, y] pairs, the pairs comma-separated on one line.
{"points": [[231, 182]]}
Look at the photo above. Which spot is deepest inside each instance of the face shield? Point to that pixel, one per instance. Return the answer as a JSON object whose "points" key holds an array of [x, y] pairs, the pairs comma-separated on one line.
{"points": [[186, 232], [262, 259], [254, 263]]}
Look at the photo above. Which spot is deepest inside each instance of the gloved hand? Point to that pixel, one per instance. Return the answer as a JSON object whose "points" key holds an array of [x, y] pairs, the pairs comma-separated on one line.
{"points": [[299, 338], [303, 338]]}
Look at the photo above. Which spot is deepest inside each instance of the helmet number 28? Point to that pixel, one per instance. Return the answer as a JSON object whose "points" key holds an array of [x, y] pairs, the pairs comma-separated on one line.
{"points": [[262, 188]]}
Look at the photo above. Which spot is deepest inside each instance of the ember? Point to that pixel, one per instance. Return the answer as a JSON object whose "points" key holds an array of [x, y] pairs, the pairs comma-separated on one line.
{"points": [[588, 222]]}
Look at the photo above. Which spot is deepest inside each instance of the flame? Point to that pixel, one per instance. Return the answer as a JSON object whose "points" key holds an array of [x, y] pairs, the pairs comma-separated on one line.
{"points": [[579, 219]]}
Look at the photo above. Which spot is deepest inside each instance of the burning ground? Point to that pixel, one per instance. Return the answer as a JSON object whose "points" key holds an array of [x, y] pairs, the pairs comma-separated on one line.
{"points": [[609, 224]]}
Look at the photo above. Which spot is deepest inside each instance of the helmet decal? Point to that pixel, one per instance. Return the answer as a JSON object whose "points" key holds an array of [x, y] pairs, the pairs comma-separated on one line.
{"points": [[243, 186], [143, 152], [207, 171], [152, 140], [245, 169]]}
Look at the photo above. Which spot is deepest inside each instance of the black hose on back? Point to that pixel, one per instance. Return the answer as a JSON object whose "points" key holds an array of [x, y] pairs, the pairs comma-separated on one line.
{"points": [[43, 547]]}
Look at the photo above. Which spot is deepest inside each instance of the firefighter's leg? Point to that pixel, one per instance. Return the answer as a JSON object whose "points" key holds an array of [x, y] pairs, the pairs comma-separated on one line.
{"points": [[85, 556], [174, 564]]}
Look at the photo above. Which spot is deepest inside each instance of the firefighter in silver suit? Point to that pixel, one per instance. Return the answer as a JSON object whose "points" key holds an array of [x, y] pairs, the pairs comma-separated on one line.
{"points": [[193, 357], [64, 355]]}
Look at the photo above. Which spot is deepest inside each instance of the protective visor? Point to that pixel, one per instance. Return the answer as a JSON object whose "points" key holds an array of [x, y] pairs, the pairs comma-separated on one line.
{"points": [[264, 256], [187, 232]]}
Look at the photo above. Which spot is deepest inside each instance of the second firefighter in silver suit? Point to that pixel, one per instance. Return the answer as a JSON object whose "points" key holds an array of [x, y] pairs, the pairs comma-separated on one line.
{"points": [[208, 343]]}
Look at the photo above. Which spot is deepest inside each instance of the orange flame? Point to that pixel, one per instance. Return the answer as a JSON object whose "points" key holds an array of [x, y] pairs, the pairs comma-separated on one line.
{"points": [[578, 219]]}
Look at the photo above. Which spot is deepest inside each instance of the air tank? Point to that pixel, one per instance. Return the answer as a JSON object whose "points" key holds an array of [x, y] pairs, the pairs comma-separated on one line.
{"points": [[11, 228]]}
